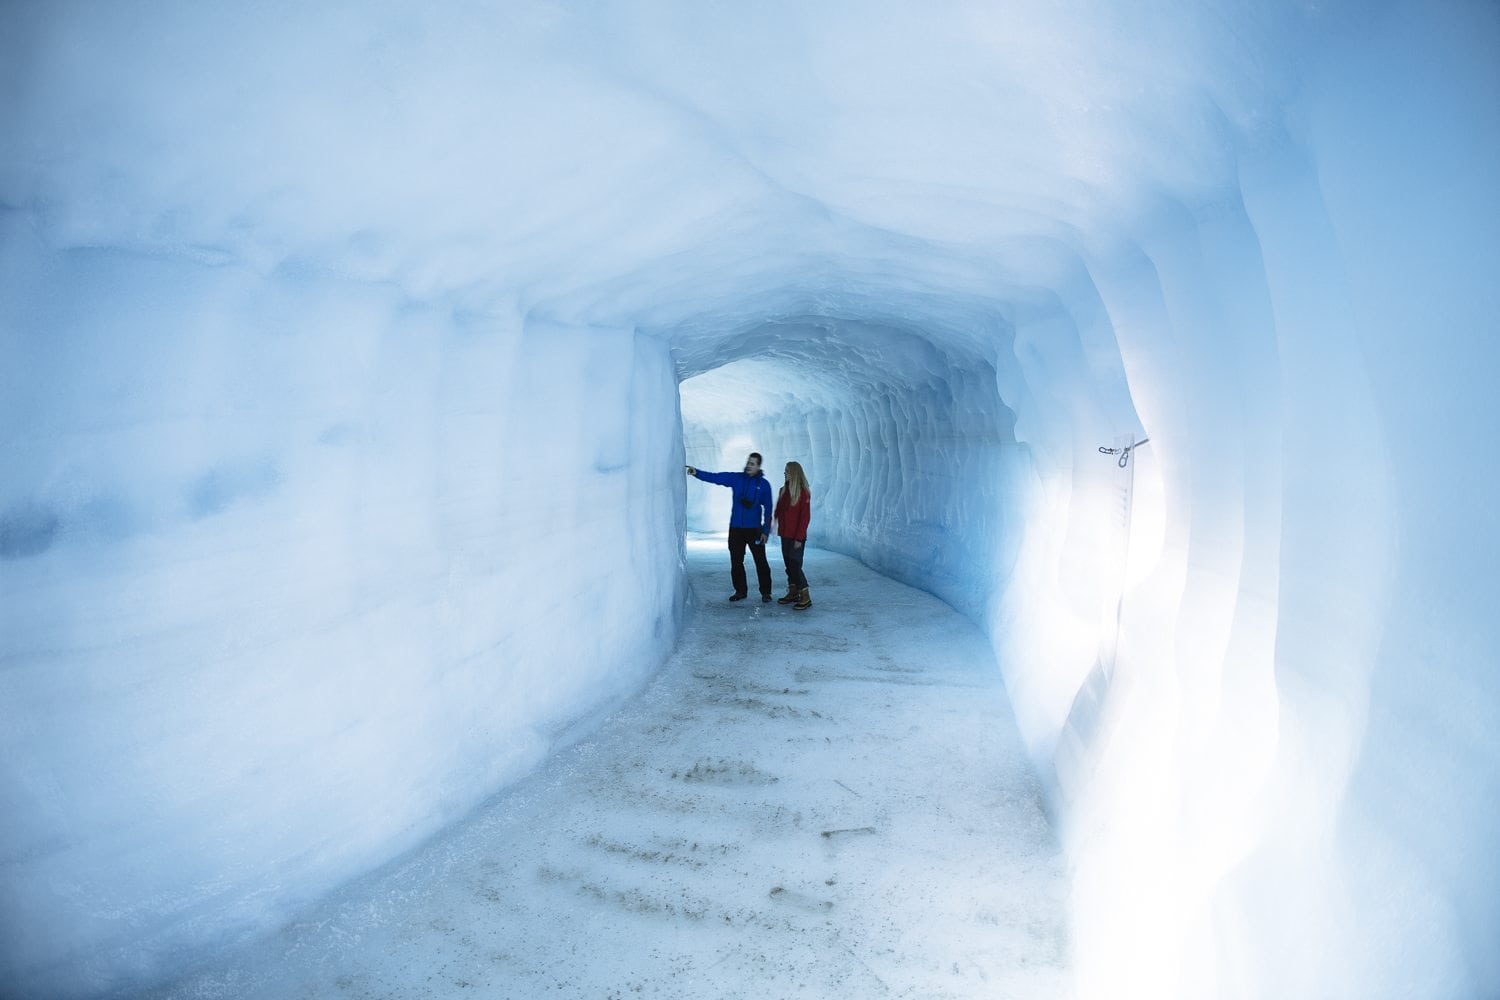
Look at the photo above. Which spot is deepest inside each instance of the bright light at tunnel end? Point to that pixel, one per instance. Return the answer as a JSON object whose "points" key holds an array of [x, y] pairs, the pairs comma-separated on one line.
{"points": [[337, 346]]}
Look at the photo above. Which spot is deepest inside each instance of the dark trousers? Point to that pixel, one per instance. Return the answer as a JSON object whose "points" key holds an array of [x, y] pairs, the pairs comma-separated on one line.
{"points": [[738, 539], [791, 554]]}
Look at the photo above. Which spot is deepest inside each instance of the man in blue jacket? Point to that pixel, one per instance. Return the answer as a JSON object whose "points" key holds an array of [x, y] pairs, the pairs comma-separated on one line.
{"points": [[749, 522]]}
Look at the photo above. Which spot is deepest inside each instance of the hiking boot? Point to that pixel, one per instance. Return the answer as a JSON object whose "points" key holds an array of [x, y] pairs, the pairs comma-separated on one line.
{"points": [[792, 596], [804, 602], [737, 597], [765, 598]]}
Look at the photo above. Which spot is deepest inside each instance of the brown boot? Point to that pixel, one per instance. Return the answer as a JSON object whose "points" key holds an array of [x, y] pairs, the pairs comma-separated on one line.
{"points": [[791, 597], [804, 602]]}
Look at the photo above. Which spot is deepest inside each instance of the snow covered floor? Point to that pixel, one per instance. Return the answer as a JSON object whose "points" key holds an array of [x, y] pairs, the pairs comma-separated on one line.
{"points": [[829, 803]]}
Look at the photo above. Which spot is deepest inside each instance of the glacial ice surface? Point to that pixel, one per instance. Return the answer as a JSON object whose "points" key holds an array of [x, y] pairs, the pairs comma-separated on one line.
{"points": [[801, 805], [350, 353]]}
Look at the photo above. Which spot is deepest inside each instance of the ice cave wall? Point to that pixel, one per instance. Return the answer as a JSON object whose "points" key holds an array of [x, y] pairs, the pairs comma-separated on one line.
{"points": [[273, 603], [1261, 790], [343, 470]]}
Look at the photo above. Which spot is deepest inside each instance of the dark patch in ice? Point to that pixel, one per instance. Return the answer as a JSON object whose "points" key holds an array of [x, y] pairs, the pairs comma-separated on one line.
{"points": [[27, 529], [820, 642], [218, 489], [738, 685], [758, 706], [812, 674], [638, 902], [636, 852], [725, 772], [891, 666]]}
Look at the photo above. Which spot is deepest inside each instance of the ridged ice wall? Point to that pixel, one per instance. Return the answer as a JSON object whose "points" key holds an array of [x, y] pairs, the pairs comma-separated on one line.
{"points": [[339, 350]]}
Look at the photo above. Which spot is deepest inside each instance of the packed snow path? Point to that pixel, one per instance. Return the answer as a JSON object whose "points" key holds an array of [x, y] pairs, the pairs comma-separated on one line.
{"points": [[829, 803]]}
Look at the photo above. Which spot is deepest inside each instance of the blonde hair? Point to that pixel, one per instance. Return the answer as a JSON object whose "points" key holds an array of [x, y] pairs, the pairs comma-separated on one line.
{"points": [[796, 482]]}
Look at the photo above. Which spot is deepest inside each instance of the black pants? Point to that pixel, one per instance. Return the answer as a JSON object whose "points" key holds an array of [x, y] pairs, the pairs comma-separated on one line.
{"points": [[791, 554], [738, 539]]}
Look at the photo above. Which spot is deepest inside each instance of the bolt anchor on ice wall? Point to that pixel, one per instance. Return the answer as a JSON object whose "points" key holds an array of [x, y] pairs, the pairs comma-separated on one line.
{"points": [[1123, 452]]}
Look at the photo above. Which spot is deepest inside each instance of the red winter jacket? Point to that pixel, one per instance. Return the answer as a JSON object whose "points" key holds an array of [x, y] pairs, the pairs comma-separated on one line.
{"points": [[792, 518]]}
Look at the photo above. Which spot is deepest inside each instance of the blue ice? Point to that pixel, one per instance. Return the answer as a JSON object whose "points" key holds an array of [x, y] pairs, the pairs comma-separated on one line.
{"points": [[350, 353]]}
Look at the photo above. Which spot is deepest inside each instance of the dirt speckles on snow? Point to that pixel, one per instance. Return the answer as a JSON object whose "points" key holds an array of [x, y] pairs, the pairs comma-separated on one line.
{"points": [[826, 803]]}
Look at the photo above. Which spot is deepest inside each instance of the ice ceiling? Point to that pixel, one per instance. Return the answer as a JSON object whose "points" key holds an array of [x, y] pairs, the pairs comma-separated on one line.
{"points": [[338, 340]]}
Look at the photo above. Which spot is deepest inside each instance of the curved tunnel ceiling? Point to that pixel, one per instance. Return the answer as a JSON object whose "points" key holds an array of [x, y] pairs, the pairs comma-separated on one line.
{"points": [[296, 285], [621, 169]]}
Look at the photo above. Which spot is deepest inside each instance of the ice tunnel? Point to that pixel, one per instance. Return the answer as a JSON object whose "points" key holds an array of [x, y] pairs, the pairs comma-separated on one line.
{"points": [[350, 353]]}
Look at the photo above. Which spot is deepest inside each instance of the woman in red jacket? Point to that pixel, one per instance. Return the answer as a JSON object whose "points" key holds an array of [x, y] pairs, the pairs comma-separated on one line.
{"points": [[793, 512]]}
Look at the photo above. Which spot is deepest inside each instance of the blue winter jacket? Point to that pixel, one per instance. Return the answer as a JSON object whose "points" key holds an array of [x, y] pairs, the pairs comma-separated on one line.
{"points": [[756, 514]]}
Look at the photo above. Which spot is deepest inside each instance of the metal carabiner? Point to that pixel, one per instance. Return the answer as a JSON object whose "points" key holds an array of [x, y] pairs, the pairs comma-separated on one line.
{"points": [[1124, 452]]}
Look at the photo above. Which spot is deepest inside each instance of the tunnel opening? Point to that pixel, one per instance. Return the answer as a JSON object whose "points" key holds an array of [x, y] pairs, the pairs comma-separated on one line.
{"points": [[903, 438], [325, 388], [946, 437]]}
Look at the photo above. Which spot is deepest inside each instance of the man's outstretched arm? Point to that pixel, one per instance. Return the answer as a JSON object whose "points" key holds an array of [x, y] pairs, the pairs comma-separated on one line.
{"points": [[717, 478]]}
